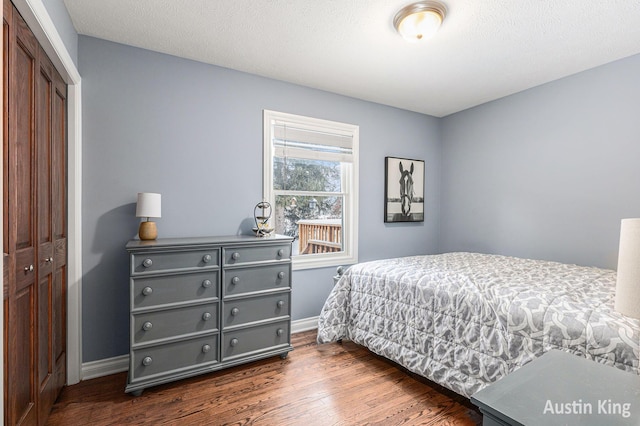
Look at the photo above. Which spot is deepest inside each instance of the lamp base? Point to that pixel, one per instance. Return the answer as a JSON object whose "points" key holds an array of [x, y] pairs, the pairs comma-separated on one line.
{"points": [[148, 231]]}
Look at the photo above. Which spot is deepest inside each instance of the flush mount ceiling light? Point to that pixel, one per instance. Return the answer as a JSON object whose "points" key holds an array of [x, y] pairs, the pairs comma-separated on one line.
{"points": [[419, 21]]}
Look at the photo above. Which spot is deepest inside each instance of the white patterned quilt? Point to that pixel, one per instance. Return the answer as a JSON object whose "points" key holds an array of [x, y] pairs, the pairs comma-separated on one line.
{"points": [[464, 320]]}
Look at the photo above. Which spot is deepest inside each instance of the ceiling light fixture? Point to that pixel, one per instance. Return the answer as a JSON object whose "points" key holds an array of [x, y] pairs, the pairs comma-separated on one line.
{"points": [[419, 21]]}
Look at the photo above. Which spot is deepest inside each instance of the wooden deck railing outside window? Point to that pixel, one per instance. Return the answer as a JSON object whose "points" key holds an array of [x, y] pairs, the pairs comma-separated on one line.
{"points": [[320, 236]]}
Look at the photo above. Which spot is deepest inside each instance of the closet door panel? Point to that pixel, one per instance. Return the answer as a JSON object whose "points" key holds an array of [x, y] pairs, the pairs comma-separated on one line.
{"points": [[22, 382], [21, 92], [59, 163], [45, 249], [21, 377], [59, 328], [7, 216], [5, 138], [59, 228]]}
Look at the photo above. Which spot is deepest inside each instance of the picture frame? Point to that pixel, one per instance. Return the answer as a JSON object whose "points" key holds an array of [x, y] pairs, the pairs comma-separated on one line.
{"points": [[403, 190]]}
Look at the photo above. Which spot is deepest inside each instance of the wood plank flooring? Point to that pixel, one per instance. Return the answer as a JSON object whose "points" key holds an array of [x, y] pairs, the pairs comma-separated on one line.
{"points": [[334, 384]]}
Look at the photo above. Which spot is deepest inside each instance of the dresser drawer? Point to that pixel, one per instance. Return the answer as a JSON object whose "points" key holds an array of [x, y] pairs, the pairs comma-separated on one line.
{"points": [[257, 308], [254, 339], [171, 357], [152, 262], [150, 326], [241, 255], [154, 291], [239, 281]]}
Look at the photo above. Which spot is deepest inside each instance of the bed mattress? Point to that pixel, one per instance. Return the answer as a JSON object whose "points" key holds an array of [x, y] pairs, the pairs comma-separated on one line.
{"points": [[464, 320]]}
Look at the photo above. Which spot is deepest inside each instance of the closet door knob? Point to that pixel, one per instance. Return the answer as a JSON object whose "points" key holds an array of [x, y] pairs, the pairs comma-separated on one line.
{"points": [[235, 311], [147, 360], [206, 283], [233, 342], [147, 291], [206, 258], [281, 275], [147, 263], [206, 316], [280, 303], [235, 255], [147, 326], [28, 268], [235, 280]]}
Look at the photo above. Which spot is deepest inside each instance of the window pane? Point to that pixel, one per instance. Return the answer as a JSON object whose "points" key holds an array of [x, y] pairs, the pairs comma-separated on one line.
{"points": [[316, 221], [294, 174]]}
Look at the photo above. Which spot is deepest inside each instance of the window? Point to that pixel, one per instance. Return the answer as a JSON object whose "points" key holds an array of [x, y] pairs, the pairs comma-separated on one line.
{"points": [[311, 181]]}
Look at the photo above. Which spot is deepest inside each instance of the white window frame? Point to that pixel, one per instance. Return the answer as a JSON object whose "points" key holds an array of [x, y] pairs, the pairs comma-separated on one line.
{"points": [[349, 255]]}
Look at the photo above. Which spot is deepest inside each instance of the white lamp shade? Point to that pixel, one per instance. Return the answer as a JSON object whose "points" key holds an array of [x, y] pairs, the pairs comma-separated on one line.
{"points": [[148, 205], [627, 300]]}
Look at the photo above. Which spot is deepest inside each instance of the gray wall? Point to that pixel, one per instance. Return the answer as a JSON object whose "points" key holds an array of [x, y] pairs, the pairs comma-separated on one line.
{"points": [[547, 173], [61, 19], [193, 132]]}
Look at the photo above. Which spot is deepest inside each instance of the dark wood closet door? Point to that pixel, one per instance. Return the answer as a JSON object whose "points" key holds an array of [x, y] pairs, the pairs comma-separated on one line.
{"points": [[22, 387], [6, 267], [58, 316], [34, 152], [45, 292]]}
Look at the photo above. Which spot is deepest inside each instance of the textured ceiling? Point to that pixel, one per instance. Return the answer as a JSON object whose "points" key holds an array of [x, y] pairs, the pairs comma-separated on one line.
{"points": [[485, 49]]}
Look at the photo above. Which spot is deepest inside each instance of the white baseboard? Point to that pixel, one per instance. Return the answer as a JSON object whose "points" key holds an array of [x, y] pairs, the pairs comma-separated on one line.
{"points": [[305, 324], [104, 367], [118, 364]]}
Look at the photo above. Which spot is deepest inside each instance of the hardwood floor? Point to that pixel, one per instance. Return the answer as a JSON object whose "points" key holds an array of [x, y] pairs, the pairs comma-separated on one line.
{"points": [[334, 384]]}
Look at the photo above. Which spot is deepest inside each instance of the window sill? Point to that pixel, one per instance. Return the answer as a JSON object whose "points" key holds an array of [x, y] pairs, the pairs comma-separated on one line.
{"points": [[311, 261]]}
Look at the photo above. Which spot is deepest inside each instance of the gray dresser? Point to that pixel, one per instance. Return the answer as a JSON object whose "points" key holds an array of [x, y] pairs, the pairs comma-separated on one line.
{"points": [[202, 304]]}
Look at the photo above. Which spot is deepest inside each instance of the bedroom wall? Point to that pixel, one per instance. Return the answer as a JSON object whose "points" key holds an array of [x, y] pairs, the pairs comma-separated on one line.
{"points": [[193, 132], [547, 173], [62, 21]]}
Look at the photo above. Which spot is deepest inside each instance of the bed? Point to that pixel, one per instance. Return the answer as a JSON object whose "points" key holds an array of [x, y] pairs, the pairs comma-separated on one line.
{"points": [[464, 320]]}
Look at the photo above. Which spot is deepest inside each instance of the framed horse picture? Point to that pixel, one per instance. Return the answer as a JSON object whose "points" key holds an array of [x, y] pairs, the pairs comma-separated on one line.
{"points": [[403, 190]]}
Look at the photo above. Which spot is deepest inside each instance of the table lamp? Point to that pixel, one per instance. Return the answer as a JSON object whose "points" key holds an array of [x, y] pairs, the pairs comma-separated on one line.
{"points": [[627, 300], [148, 206]]}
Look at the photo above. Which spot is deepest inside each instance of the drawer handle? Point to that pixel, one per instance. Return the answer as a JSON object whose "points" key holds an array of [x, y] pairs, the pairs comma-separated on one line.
{"points": [[205, 348], [147, 291], [48, 260], [28, 268], [206, 316], [147, 326], [147, 263], [235, 311], [281, 275], [206, 258], [206, 283], [147, 360], [234, 342], [279, 332], [235, 255], [235, 280], [280, 253], [280, 303]]}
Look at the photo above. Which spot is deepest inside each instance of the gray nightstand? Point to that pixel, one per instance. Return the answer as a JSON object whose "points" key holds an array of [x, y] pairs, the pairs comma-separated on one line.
{"points": [[562, 389]]}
